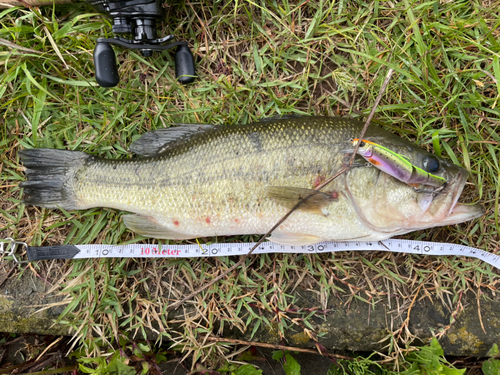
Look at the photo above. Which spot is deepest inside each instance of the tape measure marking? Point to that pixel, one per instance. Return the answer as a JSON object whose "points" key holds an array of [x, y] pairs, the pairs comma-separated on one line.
{"points": [[232, 249]]}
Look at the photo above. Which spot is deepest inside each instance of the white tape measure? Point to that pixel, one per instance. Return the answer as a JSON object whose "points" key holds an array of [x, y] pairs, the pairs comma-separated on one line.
{"points": [[231, 249]]}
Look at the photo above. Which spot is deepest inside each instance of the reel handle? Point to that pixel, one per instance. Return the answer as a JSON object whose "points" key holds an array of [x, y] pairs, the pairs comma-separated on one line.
{"points": [[106, 71], [184, 65]]}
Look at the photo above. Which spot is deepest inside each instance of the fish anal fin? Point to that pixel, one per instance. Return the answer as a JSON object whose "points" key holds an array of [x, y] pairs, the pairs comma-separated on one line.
{"points": [[294, 239], [157, 141], [148, 227], [309, 199]]}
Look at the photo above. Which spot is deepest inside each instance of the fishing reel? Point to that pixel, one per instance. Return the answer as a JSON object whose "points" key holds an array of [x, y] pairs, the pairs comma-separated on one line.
{"points": [[138, 18]]}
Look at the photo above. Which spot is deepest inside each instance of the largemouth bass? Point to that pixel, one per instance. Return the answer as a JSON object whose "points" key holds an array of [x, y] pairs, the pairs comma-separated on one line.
{"points": [[200, 181]]}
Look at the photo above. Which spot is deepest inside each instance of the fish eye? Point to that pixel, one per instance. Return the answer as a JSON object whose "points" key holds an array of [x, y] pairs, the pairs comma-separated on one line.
{"points": [[431, 164], [362, 144]]}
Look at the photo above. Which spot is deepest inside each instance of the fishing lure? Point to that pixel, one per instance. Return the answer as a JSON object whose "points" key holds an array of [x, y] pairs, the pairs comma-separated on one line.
{"points": [[398, 166]]}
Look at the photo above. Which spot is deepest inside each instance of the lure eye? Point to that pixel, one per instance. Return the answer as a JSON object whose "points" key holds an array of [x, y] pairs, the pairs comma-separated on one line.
{"points": [[431, 164]]}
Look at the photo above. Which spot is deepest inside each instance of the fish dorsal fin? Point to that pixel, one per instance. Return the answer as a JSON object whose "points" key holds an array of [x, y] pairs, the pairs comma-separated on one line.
{"points": [[157, 141], [276, 118], [311, 200], [148, 227]]}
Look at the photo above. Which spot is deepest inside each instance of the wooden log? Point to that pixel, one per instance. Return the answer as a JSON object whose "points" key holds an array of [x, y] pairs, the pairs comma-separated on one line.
{"points": [[25, 307]]}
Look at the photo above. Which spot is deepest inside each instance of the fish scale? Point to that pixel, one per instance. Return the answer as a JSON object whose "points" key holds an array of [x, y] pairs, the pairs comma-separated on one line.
{"points": [[215, 181]]}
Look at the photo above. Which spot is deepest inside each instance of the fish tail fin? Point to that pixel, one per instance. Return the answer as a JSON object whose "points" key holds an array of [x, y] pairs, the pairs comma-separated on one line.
{"points": [[50, 177]]}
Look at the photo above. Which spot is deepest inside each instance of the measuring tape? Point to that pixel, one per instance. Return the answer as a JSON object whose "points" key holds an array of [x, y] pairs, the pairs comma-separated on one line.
{"points": [[231, 249]]}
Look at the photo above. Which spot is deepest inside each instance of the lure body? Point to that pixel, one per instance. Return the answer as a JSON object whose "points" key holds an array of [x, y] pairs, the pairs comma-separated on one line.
{"points": [[396, 165]]}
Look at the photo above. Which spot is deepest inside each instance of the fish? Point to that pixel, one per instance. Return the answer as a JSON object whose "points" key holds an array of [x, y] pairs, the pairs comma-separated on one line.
{"points": [[193, 181]]}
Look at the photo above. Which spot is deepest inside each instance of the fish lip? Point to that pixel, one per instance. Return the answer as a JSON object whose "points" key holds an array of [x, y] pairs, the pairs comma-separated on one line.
{"points": [[466, 209]]}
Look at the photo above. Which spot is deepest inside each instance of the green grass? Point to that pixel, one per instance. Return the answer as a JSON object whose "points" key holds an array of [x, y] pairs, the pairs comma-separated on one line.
{"points": [[254, 59]]}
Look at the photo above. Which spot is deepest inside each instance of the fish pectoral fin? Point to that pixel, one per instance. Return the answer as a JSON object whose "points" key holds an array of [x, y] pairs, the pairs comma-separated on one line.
{"points": [[294, 239], [155, 142], [148, 227], [309, 199]]}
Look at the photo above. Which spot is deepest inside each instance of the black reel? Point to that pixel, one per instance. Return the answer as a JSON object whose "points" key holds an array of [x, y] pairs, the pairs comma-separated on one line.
{"points": [[136, 17]]}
